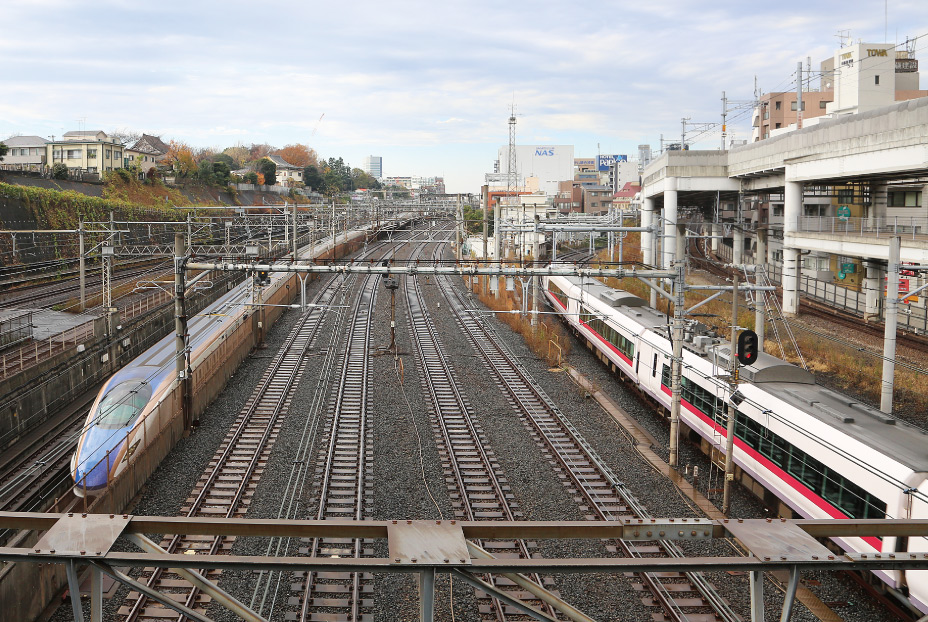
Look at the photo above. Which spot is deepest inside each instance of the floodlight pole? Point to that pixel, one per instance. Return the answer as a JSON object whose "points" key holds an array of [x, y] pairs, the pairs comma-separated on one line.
{"points": [[732, 408]]}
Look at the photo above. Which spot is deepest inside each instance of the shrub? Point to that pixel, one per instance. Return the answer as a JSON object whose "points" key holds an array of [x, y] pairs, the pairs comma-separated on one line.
{"points": [[59, 171]]}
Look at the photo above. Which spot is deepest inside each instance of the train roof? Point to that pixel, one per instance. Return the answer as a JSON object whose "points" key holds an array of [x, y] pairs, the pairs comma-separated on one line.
{"points": [[906, 443], [162, 353]]}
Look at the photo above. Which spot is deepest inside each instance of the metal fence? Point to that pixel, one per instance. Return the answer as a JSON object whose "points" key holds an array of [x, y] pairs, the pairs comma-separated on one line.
{"points": [[15, 329], [40, 350], [911, 318]]}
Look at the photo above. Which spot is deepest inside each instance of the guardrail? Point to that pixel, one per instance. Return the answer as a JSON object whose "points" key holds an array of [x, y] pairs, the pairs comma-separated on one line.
{"points": [[908, 228]]}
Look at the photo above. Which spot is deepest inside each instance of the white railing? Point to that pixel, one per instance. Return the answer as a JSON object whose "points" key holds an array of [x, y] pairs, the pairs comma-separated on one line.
{"points": [[907, 227]]}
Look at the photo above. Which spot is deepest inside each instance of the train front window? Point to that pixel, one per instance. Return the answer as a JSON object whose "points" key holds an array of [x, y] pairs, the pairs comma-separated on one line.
{"points": [[123, 403]]}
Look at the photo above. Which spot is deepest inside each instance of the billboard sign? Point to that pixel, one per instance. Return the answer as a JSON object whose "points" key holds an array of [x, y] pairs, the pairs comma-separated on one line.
{"points": [[608, 161], [584, 162]]}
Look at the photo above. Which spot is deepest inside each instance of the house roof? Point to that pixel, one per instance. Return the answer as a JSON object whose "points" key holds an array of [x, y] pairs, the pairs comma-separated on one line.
{"points": [[84, 133], [25, 141], [280, 162], [151, 144]]}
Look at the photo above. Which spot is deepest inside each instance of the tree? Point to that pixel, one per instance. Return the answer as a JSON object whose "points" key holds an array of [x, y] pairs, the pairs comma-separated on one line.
{"points": [[221, 172], [125, 136], [205, 171], [312, 178], [299, 155], [3, 151], [225, 159], [267, 168], [180, 156], [238, 154], [361, 179], [251, 177], [256, 152]]}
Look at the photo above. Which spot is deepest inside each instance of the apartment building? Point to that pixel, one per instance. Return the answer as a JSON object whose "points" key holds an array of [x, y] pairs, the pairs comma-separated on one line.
{"points": [[87, 151]]}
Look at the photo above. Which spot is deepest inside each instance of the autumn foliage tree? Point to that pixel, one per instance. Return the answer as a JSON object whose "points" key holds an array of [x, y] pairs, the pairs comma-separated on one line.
{"points": [[180, 157], [299, 155]]}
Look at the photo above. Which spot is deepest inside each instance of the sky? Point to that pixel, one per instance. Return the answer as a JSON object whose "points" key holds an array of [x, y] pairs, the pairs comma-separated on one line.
{"points": [[428, 86]]}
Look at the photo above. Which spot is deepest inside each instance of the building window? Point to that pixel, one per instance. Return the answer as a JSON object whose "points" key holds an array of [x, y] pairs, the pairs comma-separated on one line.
{"points": [[778, 105], [778, 210], [845, 195], [117, 155], [91, 154], [793, 106], [904, 198], [109, 154], [778, 126], [822, 104], [876, 79], [766, 113], [56, 155], [74, 154]]}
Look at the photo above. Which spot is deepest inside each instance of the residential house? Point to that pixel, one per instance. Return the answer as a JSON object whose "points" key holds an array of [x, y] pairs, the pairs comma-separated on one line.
{"points": [[287, 174], [624, 199], [147, 152], [86, 152], [25, 153]]}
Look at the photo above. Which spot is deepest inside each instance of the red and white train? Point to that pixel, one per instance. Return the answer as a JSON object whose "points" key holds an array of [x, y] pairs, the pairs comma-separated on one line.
{"points": [[819, 453]]}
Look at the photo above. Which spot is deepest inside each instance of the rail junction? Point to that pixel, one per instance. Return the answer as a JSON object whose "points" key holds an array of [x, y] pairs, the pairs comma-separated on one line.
{"points": [[325, 549]]}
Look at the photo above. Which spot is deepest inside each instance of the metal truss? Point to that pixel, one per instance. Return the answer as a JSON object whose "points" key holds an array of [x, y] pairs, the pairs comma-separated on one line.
{"points": [[431, 547]]}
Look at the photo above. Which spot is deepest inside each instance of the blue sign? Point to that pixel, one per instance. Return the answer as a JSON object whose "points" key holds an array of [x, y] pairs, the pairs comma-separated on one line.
{"points": [[544, 151], [608, 161]]}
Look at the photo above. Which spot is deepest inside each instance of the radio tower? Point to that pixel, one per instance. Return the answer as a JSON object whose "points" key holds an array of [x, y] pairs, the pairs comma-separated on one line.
{"points": [[511, 190]]}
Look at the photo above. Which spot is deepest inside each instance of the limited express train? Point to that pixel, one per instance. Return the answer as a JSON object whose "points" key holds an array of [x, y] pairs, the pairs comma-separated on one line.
{"points": [[815, 452]]}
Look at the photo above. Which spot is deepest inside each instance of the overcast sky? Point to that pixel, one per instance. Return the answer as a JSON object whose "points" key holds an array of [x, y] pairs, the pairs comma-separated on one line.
{"points": [[425, 85]]}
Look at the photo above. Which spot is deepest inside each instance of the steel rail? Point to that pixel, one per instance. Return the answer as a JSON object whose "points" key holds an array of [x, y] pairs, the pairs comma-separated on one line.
{"points": [[454, 423], [262, 413], [574, 453]]}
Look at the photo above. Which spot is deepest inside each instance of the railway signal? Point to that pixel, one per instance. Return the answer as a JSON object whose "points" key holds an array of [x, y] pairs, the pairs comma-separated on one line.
{"points": [[747, 347]]}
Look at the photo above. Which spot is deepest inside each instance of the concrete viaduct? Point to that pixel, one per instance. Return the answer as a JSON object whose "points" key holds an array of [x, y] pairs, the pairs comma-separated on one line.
{"points": [[869, 150]]}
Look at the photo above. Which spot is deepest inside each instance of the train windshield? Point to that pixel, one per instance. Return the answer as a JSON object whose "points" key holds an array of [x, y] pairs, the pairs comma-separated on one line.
{"points": [[123, 403]]}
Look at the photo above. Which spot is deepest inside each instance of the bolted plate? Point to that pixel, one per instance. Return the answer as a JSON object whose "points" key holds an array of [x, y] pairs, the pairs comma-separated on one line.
{"points": [[87, 535], [427, 542], [778, 540]]}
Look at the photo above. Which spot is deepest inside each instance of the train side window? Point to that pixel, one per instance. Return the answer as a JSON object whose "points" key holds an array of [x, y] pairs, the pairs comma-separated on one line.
{"points": [[654, 368]]}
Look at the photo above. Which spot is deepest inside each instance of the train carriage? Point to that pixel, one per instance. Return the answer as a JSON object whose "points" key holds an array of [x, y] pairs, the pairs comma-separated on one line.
{"points": [[819, 453]]}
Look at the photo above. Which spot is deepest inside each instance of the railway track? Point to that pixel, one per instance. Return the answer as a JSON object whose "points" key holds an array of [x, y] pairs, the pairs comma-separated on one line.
{"points": [[226, 488], [32, 470], [476, 485], [344, 481], [670, 596]]}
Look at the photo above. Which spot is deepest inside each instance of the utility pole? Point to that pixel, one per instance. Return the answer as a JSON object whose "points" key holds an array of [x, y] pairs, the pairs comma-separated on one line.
{"points": [[294, 251], [799, 95], [891, 318], [732, 409], [82, 265], [724, 116], [676, 363], [683, 133], [535, 277], [181, 356]]}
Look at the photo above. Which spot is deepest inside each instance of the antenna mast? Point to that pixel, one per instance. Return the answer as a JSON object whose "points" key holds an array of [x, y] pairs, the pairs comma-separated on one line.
{"points": [[512, 178]]}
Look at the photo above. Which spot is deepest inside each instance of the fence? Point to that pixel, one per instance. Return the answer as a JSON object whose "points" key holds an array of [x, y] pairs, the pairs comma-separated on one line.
{"points": [[910, 228], [15, 329], [15, 361], [911, 317]]}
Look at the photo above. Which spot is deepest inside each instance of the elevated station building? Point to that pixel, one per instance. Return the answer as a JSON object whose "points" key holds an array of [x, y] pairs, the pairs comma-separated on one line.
{"points": [[833, 194]]}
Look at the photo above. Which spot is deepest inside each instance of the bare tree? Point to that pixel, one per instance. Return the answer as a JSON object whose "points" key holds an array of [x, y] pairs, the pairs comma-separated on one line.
{"points": [[125, 136]]}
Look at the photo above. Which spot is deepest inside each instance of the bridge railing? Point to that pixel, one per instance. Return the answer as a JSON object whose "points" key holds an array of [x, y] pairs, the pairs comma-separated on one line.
{"points": [[908, 227]]}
